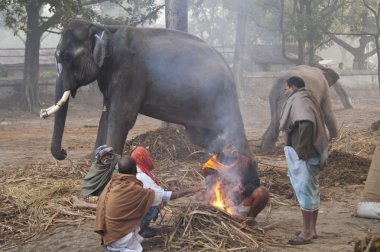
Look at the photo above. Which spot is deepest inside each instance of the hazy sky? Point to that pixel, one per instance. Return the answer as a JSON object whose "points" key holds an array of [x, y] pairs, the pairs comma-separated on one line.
{"points": [[8, 40]]}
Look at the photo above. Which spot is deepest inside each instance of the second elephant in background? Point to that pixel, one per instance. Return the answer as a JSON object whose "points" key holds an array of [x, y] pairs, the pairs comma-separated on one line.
{"points": [[318, 81]]}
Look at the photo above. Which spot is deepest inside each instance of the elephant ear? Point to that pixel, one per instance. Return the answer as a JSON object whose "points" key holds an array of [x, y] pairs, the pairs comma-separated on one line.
{"points": [[101, 45], [330, 75]]}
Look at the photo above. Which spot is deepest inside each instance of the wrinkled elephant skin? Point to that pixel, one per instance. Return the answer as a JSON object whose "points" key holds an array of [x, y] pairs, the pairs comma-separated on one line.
{"points": [[165, 74], [318, 81]]}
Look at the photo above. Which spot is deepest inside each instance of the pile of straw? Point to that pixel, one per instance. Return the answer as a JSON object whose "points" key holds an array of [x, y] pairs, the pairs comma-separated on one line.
{"points": [[203, 228], [167, 143], [356, 142], [371, 243], [36, 198]]}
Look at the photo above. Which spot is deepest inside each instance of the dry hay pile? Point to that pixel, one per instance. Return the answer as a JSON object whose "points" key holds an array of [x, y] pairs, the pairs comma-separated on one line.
{"points": [[349, 158], [178, 162], [275, 180], [345, 169], [357, 142], [369, 244], [37, 197], [167, 143], [203, 228]]}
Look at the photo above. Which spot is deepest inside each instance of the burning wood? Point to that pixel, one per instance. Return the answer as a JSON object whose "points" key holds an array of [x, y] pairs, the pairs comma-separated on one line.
{"points": [[220, 202]]}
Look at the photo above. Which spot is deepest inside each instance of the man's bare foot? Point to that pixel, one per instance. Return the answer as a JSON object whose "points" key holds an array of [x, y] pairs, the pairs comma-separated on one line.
{"points": [[314, 235]]}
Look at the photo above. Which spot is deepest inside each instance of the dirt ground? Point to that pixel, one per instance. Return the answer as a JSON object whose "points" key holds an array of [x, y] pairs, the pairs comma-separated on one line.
{"points": [[25, 144]]}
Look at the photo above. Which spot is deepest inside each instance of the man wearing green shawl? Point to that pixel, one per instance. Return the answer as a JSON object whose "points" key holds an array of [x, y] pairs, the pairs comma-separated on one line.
{"points": [[100, 172]]}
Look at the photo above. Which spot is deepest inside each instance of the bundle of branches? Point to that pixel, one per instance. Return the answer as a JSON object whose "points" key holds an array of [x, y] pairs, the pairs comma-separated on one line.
{"points": [[203, 228], [370, 243], [167, 143]]}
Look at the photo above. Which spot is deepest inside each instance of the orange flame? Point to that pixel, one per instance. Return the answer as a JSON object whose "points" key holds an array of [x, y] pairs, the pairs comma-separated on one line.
{"points": [[219, 202]]}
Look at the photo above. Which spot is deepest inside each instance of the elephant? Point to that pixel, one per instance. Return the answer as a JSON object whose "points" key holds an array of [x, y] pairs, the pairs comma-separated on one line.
{"points": [[318, 80], [165, 74]]}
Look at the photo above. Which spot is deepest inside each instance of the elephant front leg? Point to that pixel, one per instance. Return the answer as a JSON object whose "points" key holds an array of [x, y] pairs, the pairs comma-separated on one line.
{"points": [[121, 119]]}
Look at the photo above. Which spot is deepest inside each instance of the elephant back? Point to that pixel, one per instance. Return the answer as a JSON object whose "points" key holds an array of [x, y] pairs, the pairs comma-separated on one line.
{"points": [[313, 78]]}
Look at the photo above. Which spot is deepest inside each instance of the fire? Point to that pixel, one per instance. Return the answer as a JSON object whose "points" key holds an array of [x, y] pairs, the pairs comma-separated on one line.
{"points": [[219, 202]]}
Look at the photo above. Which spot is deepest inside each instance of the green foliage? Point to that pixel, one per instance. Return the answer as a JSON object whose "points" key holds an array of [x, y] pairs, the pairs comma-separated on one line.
{"points": [[212, 21], [215, 21], [309, 20], [14, 14], [130, 12], [354, 18]]}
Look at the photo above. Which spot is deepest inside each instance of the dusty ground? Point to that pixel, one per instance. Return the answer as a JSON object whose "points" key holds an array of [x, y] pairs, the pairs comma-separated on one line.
{"points": [[25, 144]]}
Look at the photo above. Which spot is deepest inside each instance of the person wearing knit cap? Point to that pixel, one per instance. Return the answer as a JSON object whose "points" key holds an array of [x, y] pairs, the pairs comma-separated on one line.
{"points": [[100, 172]]}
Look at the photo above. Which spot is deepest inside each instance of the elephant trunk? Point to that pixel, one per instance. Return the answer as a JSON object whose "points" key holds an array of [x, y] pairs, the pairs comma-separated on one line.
{"points": [[276, 100], [59, 124]]}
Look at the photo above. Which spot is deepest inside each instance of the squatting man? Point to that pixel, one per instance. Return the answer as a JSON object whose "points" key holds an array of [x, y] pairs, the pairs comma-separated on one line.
{"points": [[239, 181]]}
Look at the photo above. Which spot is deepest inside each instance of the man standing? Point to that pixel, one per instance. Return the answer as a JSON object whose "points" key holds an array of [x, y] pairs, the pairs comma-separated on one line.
{"points": [[306, 152], [238, 179], [121, 208]]}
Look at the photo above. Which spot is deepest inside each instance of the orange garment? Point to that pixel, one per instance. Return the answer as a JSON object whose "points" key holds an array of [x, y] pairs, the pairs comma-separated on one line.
{"points": [[242, 173], [121, 207], [213, 163], [144, 161]]}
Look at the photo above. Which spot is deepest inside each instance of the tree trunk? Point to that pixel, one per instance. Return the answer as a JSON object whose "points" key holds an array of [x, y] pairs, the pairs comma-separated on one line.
{"points": [[360, 56], [378, 57], [310, 35], [176, 19], [176, 15], [31, 63], [239, 44], [343, 96]]}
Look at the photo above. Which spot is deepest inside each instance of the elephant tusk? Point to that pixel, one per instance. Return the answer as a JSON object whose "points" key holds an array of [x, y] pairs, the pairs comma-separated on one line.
{"points": [[51, 110]]}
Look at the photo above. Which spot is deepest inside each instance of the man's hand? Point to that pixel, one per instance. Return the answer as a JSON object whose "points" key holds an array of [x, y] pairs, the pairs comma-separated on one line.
{"points": [[238, 189], [195, 189], [303, 156]]}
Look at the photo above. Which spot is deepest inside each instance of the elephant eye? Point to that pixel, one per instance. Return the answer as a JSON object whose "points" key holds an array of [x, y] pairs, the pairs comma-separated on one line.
{"points": [[65, 57]]}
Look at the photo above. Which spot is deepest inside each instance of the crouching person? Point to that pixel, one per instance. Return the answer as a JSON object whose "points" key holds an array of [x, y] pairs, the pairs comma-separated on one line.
{"points": [[145, 165], [121, 208], [238, 178]]}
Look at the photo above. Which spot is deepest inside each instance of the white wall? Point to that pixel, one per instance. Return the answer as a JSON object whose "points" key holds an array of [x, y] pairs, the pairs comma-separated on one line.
{"points": [[8, 40]]}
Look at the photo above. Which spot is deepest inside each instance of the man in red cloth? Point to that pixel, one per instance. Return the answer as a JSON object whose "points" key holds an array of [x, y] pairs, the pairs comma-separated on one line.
{"points": [[145, 166]]}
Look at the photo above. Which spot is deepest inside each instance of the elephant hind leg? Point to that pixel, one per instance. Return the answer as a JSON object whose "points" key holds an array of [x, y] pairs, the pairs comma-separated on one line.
{"points": [[200, 136]]}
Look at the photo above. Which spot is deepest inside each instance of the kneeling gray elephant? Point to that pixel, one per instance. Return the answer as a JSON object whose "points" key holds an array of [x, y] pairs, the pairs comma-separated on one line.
{"points": [[318, 81]]}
